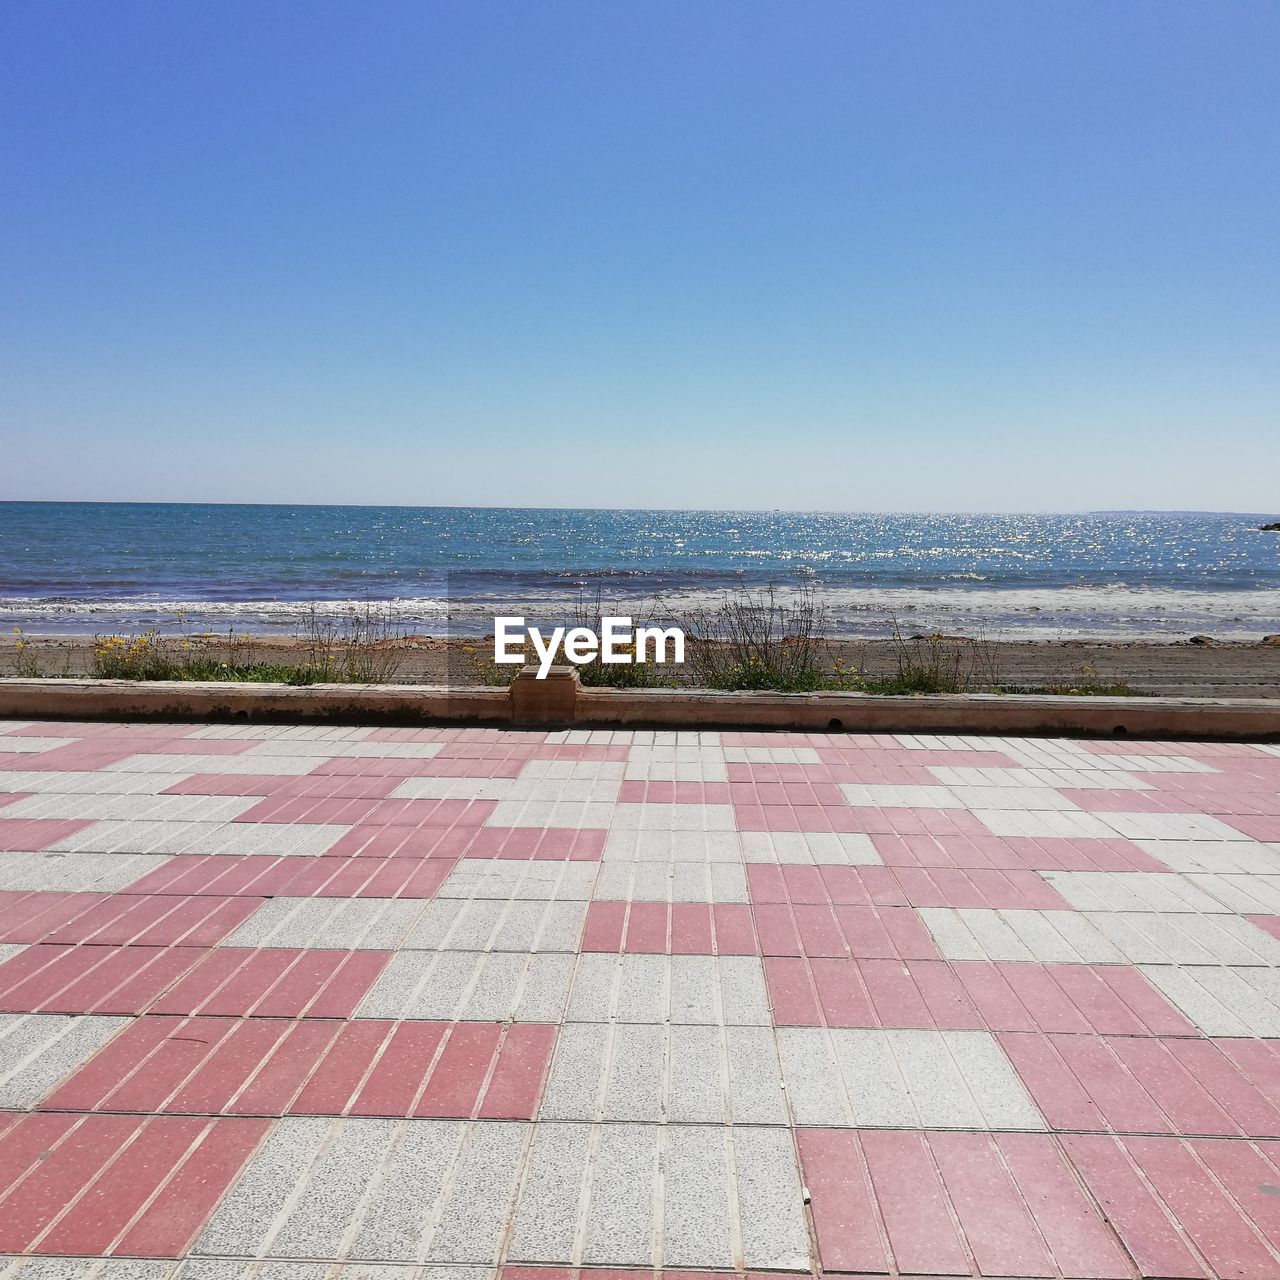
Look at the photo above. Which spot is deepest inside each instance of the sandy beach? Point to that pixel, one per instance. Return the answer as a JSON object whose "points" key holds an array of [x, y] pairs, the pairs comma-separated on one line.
{"points": [[1217, 669]]}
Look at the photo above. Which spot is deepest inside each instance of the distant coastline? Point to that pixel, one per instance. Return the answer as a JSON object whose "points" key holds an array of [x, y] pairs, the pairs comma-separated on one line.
{"points": [[83, 568]]}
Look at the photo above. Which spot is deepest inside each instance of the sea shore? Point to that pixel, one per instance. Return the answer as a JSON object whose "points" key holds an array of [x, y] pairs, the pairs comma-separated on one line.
{"points": [[1230, 669]]}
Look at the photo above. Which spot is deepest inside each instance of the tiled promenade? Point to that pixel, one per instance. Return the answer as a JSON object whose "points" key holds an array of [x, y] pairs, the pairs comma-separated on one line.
{"points": [[438, 1004]]}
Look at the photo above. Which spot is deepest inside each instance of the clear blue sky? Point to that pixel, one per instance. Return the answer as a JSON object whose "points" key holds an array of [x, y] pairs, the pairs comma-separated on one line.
{"points": [[855, 255]]}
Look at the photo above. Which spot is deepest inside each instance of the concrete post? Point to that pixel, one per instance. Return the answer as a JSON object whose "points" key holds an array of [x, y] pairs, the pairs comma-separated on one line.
{"points": [[550, 701]]}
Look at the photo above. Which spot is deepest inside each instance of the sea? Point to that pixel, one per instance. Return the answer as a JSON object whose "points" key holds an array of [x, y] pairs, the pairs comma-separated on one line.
{"points": [[88, 568]]}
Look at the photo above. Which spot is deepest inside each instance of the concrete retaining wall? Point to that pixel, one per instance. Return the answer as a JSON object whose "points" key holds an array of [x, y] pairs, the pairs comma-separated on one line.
{"points": [[561, 701]]}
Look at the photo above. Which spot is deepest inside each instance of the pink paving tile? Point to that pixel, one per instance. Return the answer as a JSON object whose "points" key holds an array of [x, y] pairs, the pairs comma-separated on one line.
{"points": [[392, 734], [120, 980], [393, 1085], [430, 813], [1265, 829], [291, 786], [897, 992], [681, 928], [1069, 998], [515, 1087], [203, 747], [370, 811], [403, 842], [446, 767], [276, 983], [108, 1185], [864, 932], [1270, 923], [75, 757], [606, 927], [867, 993], [903, 886], [33, 835], [791, 792], [1113, 801], [635, 791], [338, 1077], [122, 919], [271, 1067], [1145, 1085], [223, 875], [460, 1072], [953, 1204], [229, 784], [1186, 1208], [292, 809], [1212, 751], [1013, 852], [368, 877], [29, 917], [871, 821], [552, 843], [581, 751]]}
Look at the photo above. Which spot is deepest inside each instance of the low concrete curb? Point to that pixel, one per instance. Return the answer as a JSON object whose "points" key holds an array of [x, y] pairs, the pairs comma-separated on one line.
{"points": [[560, 701]]}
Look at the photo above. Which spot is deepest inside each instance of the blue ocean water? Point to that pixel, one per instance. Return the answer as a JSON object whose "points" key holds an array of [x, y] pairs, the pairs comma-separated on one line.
{"points": [[84, 567]]}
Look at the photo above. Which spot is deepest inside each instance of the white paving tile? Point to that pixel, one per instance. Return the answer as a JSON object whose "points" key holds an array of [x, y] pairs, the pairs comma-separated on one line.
{"points": [[281, 838], [672, 817], [283, 732], [1250, 895], [669, 763], [1150, 937], [592, 781], [656, 1071], [672, 882], [1131, 891], [1215, 855], [39, 1050], [471, 986], [689, 990], [377, 1190], [903, 1079], [1040, 823], [1046, 937], [1138, 763], [810, 848], [1039, 778], [661, 1196], [53, 782], [494, 924], [132, 808], [772, 755], [889, 795], [673, 846], [1222, 1000], [1031, 799], [453, 789], [248, 763], [31, 746], [75, 872], [574, 814], [579, 771], [1169, 826], [521, 879], [362, 924]]}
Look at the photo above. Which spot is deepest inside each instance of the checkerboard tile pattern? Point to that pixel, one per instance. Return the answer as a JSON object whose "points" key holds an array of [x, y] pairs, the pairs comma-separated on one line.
{"points": [[310, 1003]]}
